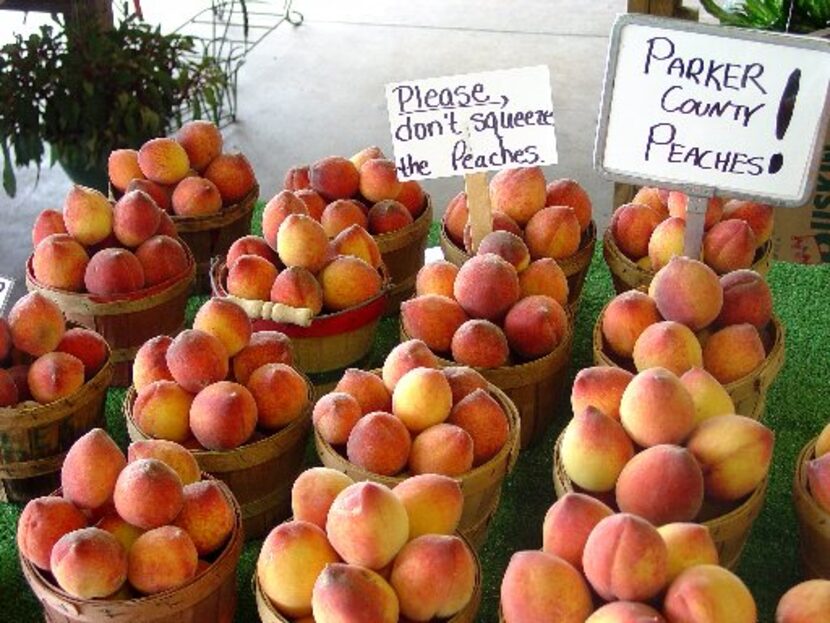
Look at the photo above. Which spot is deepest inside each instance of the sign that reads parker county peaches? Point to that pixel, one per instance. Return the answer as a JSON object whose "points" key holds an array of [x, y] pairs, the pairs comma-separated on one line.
{"points": [[722, 108], [454, 125]]}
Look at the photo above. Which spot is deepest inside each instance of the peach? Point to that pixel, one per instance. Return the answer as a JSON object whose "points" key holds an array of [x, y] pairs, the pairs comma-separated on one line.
{"points": [[225, 321], [223, 416], [379, 180], [601, 387], [808, 602], [594, 450], [746, 298], [734, 453], [758, 216], [233, 175], [162, 258], [158, 193], [483, 418], [313, 492], [60, 262], [667, 241], [387, 216], [166, 226], [251, 277], [292, 556], [688, 544], [342, 214], [442, 449], [463, 381], [148, 494], [669, 345], [486, 287], [625, 612], [656, 408], [729, 245], [479, 343], [113, 271], [536, 326], [687, 291], [207, 516], [335, 415], [433, 503], [379, 442], [302, 241], [507, 246], [654, 199], [709, 397], [367, 525], [281, 394], [624, 320], [42, 523], [202, 141], [334, 178], [372, 152], [567, 192], [351, 593], [733, 352], [422, 397], [709, 594], [412, 197], [544, 276], [195, 197], [5, 339], [54, 376], [125, 533], [419, 563], [90, 470], [196, 359], [175, 456], [162, 559], [46, 223], [632, 226], [87, 215], [433, 319], [357, 242], [161, 410], [9, 394], [822, 441], [367, 388], [36, 324], [678, 202], [538, 586], [568, 523], [518, 193], [163, 161], [296, 178], [625, 559], [89, 563], [455, 218], [553, 232], [818, 477], [264, 347], [250, 245], [348, 282], [278, 208], [436, 278], [403, 358], [502, 222], [150, 362]]}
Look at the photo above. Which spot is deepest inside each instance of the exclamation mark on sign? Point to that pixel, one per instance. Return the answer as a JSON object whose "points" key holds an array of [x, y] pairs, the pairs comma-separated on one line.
{"points": [[785, 115]]}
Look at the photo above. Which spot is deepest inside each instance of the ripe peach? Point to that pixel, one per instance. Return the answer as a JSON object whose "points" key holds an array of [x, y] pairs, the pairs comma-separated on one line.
{"points": [[507, 246], [729, 245], [486, 287], [379, 180], [433, 503], [341, 214], [367, 388], [348, 282], [688, 544], [442, 449], [567, 192], [196, 196], [455, 218], [568, 523], [758, 216], [166, 226], [667, 241], [59, 261], [594, 450], [313, 492], [709, 594], [87, 215], [356, 241], [678, 202], [625, 612], [334, 178], [148, 494], [483, 418], [350, 593], [163, 161], [225, 321], [601, 387], [335, 415], [463, 381], [42, 523], [654, 199], [746, 298], [264, 347], [250, 245], [161, 410], [687, 291], [158, 193], [302, 241], [89, 563], [278, 208], [656, 408], [175, 456], [9, 394], [436, 278], [632, 227], [422, 398], [113, 271], [669, 345], [624, 320], [161, 258], [5, 339], [161, 559], [519, 193], [202, 141], [553, 232], [372, 152], [233, 175], [544, 276], [733, 352], [434, 319], [709, 397], [206, 516], [223, 415], [535, 326], [251, 277], [196, 359], [808, 602], [90, 470], [296, 178], [479, 343], [281, 394], [412, 197], [54, 376], [403, 358], [36, 324], [387, 216], [125, 533], [379, 442], [46, 223], [150, 362]]}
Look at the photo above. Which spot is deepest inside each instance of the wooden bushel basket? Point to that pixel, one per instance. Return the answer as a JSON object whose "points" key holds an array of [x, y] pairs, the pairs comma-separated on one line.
{"points": [[729, 523], [749, 394], [34, 440], [209, 598], [260, 473], [813, 521], [481, 486], [127, 320]]}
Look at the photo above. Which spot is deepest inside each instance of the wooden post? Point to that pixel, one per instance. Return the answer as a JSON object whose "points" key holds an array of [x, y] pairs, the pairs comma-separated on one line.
{"points": [[695, 219], [478, 204]]}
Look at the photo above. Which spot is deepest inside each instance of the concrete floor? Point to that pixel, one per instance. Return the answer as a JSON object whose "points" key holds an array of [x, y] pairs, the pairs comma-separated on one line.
{"points": [[318, 89]]}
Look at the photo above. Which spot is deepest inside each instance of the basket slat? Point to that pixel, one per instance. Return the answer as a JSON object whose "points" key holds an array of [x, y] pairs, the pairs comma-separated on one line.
{"points": [[813, 521]]}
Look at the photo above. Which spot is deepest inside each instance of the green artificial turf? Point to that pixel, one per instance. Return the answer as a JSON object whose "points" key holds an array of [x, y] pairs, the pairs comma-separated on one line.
{"points": [[797, 407]]}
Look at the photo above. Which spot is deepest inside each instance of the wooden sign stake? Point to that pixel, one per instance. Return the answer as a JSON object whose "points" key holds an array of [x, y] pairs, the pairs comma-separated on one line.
{"points": [[478, 204], [695, 219]]}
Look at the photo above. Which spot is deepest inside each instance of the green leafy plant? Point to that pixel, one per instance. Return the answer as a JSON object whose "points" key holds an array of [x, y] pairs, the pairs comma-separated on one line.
{"points": [[84, 90], [797, 16]]}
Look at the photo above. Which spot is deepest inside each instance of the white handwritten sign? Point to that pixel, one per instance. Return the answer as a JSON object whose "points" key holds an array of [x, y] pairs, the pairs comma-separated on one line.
{"points": [[721, 108], [6, 287], [456, 125]]}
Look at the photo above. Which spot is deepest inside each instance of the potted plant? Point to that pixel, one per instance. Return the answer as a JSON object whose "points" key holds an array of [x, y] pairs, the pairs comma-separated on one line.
{"points": [[85, 89], [796, 16]]}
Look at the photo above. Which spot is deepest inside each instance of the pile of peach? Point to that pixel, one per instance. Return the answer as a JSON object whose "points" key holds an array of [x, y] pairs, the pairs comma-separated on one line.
{"points": [[634, 568], [691, 318], [818, 471], [182, 385], [126, 526], [655, 445], [549, 218], [651, 229], [497, 303], [360, 552], [43, 361], [413, 416]]}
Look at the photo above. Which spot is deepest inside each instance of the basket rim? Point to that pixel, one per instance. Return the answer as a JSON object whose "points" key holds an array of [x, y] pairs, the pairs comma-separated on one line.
{"points": [[800, 482]]}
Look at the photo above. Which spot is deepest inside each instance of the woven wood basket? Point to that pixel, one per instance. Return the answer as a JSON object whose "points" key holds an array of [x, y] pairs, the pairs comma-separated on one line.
{"points": [[260, 473], [34, 440], [209, 598], [813, 521], [125, 321], [481, 486], [626, 275], [575, 266], [269, 614], [728, 523], [749, 394]]}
